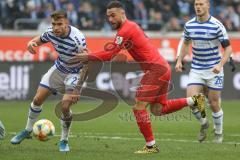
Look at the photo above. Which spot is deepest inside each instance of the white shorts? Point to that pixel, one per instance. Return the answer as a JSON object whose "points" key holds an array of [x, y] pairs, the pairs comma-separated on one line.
{"points": [[59, 82], [206, 78]]}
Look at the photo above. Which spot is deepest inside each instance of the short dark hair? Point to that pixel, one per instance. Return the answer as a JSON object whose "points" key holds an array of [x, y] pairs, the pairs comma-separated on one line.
{"points": [[59, 14], [114, 4]]}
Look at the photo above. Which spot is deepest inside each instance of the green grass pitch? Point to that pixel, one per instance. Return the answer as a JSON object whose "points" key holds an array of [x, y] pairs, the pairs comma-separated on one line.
{"points": [[116, 136]]}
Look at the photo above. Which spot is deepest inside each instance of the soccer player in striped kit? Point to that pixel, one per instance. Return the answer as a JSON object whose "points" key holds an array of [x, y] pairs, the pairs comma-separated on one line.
{"points": [[206, 34], [62, 77]]}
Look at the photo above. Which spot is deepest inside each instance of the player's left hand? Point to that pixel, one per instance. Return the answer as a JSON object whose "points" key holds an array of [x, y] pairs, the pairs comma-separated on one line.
{"points": [[73, 98], [31, 47], [81, 57], [217, 68]]}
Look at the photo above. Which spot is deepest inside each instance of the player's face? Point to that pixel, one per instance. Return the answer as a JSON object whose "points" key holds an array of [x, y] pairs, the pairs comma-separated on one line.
{"points": [[201, 7], [60, 27], [114, 16]]}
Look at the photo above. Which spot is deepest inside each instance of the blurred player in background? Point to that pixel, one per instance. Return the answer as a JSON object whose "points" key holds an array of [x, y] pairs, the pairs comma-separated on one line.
{"points": [[206, 33], [62, 77], [153, 88], [2, 130]]}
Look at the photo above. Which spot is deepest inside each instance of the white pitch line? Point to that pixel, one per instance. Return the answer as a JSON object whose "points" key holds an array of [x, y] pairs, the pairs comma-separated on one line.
{"points": [[134, 134], [157, 134], [136, 139], [157, 139]]}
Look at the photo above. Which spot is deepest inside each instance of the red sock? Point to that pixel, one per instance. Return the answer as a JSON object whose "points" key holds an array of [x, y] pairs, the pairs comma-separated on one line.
{"points": [[174, 105], [144, 124]]}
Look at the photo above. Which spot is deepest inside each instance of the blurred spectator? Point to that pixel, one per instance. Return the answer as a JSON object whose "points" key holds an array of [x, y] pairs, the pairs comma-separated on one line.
{"points": [[48, 8], [173, 25], [86, 17], [44, 24], [167, 13], [128, 5], [184, 7], [72, 14], [140, 14], [32, 11], [229, 25], [10, 11], [155, 20], [232, 16], [170, 15]]}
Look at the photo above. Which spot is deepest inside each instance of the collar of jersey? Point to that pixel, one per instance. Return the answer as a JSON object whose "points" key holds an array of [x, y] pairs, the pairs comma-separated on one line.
{"points": [[204, 21]]}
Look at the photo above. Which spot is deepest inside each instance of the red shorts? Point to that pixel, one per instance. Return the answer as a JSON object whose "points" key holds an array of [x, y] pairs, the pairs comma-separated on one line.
{"points": [[154, 84]]}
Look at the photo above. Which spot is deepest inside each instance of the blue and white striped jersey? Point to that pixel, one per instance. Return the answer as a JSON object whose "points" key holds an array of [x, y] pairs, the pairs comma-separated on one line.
{"points": [[67, 48], [206, 38]]}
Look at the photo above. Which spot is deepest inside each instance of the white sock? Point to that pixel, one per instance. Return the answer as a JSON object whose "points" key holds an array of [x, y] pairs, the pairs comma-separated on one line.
{"points": [[33, 114], [66, 128], [207, 103], [218, 121], [151, 143], [198, 116], [190, 101]]}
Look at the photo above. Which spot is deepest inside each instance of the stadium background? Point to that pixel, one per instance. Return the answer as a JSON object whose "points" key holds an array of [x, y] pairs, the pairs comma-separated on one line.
{"points": [[163, 20]]}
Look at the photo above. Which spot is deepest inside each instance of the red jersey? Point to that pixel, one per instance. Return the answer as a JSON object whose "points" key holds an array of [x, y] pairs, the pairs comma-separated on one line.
{"points": [[131, 37]]}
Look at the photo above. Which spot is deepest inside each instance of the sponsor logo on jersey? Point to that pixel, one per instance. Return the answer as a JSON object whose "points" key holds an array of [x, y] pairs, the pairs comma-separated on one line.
{"points": [[119, 40]]}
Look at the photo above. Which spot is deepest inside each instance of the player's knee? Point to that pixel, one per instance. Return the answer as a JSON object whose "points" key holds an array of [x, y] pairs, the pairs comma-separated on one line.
{"points": [[156, 113], [213, 102], [140, 105], [156, 109], [37, 101]]}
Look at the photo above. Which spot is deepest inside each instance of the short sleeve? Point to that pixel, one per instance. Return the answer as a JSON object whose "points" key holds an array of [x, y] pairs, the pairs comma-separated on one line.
{"points": [[222, 33], [186, 34], [45, 36]]}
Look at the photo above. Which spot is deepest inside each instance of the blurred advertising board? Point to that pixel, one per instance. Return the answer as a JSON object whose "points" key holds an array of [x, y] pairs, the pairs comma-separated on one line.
{"points": [[19, 80], [15, 48]]}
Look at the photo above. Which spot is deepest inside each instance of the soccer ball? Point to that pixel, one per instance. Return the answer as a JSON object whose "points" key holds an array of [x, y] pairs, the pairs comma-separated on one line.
{"points": [[43, 129]]}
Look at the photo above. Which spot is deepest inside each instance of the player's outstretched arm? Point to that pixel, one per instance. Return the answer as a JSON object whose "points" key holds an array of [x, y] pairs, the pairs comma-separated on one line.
{"points": [[35, 42], [105, 55]]}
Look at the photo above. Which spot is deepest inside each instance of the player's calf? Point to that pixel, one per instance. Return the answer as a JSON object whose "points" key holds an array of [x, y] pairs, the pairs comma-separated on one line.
{"points": [[156, 109]]}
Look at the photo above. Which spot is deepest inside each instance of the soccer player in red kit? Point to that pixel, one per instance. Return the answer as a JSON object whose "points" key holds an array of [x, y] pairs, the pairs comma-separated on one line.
{"points": [[154, 84]]}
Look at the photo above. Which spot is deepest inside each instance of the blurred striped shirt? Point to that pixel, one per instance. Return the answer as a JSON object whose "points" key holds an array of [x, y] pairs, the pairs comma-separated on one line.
{"points": [[206, 38], [67, 48]]}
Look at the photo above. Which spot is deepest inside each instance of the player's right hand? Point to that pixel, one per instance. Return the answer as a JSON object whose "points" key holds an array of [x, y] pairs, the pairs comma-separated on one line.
{"points": [[179, 66], [31, 45], [73, 98]]}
